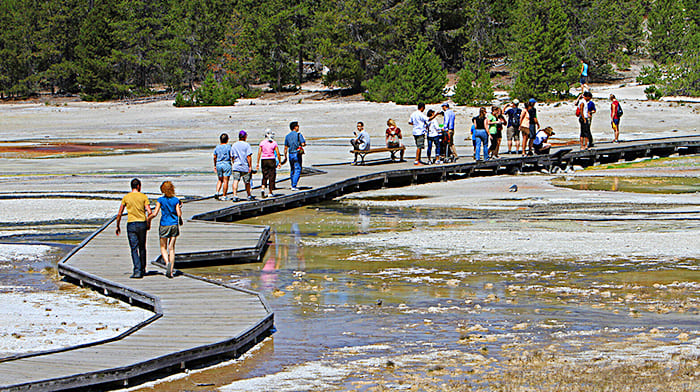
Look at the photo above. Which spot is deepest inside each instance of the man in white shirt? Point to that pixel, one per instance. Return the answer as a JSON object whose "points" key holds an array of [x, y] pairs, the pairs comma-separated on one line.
{"points": [[419, 121], [361, 141]]}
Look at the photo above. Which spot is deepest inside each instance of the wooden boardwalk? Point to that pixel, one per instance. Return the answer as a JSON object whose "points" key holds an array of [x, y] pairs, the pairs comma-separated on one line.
{"points": [[197, 321]]}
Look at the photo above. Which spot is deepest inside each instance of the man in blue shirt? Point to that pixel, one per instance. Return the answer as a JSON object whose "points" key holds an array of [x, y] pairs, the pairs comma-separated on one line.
{"points": [[242, 156], [449, 116], [294, 144]]}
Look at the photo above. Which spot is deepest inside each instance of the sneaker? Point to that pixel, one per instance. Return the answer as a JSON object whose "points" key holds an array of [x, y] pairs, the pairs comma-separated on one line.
{"points": [[294, 189], [136, 276], [223, 198], [235, 199], [251, 197], [417, 163]]}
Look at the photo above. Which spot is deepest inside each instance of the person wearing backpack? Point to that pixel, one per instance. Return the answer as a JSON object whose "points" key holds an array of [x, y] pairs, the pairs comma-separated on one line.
{"points": [[615, 114], [513, 130], [585, 110]]}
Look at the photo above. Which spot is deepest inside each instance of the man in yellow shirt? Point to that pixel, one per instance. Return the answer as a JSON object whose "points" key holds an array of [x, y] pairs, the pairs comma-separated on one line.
{"points": [[137, 209]]}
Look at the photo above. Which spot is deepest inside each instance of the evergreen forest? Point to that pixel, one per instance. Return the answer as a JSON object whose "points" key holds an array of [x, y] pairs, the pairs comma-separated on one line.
{"points": [[215, 51]]}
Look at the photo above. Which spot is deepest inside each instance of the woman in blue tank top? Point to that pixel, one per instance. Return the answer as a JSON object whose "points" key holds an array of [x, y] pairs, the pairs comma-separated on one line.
{"points": [[170, 219]]}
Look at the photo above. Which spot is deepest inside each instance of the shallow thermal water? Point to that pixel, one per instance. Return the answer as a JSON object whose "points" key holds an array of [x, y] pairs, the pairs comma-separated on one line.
{"points": [[368, 297], [663, 185]]}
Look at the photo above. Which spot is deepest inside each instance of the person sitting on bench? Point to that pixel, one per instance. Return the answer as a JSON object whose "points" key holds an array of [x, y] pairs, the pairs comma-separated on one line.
{"points": [[540, 143], [361, 141], [393, 136]]}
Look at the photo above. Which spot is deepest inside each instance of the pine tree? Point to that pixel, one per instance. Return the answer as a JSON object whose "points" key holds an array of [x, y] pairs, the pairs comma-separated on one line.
{"points": [[420, 78], [473, 88], [669, 29], [543, 64]]}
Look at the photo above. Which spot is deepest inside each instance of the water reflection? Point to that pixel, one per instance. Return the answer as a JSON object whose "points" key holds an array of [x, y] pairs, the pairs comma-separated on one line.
{"points": [[341, 301]]}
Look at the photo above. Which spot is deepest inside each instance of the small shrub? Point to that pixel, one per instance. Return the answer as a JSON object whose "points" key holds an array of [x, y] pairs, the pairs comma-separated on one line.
{"points": [[653, 93], [650, 75]]}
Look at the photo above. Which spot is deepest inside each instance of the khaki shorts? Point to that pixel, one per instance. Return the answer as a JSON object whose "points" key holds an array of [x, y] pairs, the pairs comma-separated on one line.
{"points": [[420, 141], [513, 133], [168, 231], [525, 131], [245, 176]]}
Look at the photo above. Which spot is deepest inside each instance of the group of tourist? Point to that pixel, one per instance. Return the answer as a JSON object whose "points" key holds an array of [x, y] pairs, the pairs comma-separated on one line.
{"points": [[235, 160], [139, 216]]}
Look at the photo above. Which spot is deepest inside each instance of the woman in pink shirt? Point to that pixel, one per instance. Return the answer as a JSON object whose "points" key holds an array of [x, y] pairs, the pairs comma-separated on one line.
{"points": [[268, 152]]}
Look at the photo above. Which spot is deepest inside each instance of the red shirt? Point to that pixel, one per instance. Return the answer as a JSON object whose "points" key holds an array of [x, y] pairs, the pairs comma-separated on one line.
{"points": [[394, 134], [613, 109]]}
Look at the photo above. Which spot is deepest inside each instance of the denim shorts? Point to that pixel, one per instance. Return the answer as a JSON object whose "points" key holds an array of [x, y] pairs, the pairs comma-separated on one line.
{"points": [[223, 169]]}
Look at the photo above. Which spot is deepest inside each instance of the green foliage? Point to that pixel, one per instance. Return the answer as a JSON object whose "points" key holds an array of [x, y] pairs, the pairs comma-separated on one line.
{"points": [[543, 64], [604, 32], [650, 75], [670, 29], [213, 92], [473, 89], [420, 78], [106, 49], [653, 93]]}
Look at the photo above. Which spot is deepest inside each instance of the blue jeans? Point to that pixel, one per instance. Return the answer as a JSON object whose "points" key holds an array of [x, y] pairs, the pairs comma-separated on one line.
{"points": [[434, 140], [481, 138], [295, 168], [136, 232]]}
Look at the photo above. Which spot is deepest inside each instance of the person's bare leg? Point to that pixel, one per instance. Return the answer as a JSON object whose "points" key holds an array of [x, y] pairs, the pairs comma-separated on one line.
{"points": [[219, 183], [225, 186], [234, 189], [418, 154], [164, 251], [171, 253], [247, 189]]}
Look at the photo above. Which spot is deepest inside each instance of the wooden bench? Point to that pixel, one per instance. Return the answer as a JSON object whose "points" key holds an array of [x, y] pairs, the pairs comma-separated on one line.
{"points": [[363, 153]]}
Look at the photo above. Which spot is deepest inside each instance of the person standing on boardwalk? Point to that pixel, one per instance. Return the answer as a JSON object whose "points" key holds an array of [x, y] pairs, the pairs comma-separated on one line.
{"points": [[361, 142], [534, 126], [268, 152], [294, 144], [615, 114], [434, 136], [420, 129], [222, 166], [513, 129], [137, 224], [481, 136], [242, 156], [586, 111], [169, 228], [393, 136], [495, 128], [449, 129]]}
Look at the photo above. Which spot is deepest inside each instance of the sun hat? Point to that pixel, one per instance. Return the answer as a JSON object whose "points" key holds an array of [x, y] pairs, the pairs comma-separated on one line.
{"points": [[533, 100], [445, 104]]}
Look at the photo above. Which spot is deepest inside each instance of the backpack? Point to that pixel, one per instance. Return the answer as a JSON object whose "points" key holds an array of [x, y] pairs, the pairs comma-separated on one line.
{"points": [[578, 110], [619, 110]]}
